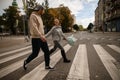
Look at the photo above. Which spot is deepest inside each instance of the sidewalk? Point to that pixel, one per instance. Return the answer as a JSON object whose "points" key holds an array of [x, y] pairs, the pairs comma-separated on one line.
{"points": [[12, 42]]}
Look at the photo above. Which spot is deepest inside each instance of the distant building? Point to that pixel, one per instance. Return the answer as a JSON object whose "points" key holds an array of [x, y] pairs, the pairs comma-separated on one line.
{"points": [[107, 15], [96, 24], [74, 19], [113, 14]]}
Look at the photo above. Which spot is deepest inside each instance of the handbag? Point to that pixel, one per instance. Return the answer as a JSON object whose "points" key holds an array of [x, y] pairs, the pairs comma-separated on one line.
{"points": [[71, 40]]}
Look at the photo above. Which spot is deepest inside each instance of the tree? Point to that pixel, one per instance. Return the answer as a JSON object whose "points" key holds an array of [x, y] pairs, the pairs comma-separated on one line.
{"points": [[2, 22], [66, 19], [62, 13], [81, 27], [48, 21], [75, 26], [47, 17], [90, 26], [11, 14]]}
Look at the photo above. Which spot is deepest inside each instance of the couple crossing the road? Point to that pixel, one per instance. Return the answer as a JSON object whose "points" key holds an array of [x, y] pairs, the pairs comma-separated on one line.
{"points": [[39, 38]]}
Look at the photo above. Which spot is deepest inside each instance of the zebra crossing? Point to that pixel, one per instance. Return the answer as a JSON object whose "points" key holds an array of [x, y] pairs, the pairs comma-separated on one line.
{"points": [[108, 62], [79, 69]]}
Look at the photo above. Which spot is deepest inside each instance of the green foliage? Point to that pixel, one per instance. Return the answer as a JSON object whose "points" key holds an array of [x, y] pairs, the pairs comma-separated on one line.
{"points": [[2, 21], [81, 27], [90, 26], [11, 15], [76, 27]]}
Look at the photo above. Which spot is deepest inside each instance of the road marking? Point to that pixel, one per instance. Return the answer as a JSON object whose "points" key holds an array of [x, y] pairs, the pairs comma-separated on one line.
{"points": [[109, 39], [8, 69], [17, 50], [11, 68], [14, 51], [39, 72], [79, 69], [116, 48], [14, 56], [108, 62]]}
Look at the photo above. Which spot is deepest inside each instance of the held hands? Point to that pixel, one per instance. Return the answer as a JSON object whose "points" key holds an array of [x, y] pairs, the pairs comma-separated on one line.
{"points": [[64, 38], [43, 38]]}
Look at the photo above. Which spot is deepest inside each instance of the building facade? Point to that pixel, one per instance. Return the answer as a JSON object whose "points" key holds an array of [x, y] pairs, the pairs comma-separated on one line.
{"points": [[107, 15]]}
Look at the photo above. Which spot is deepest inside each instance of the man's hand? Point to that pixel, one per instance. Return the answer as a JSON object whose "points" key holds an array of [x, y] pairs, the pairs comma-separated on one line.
{"points": [[43, 38]]}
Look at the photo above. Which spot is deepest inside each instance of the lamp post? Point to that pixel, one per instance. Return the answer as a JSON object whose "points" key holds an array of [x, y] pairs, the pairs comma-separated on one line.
{"points": [[23, 14]]}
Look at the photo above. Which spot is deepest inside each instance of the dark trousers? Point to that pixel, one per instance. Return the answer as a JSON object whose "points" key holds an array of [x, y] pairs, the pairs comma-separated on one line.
{"points": [[36, 45], [57, 45]]}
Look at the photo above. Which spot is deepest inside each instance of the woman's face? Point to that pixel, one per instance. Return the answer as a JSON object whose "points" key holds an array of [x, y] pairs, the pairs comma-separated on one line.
{"points": [[56, 21]]}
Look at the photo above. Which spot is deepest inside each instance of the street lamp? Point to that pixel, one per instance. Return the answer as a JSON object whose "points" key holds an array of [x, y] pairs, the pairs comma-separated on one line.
{"points": [[23, 14], [2, 28]]}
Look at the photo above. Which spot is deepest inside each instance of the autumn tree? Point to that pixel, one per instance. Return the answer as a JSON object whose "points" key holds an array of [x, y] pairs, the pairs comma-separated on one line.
{"points": [[66, 18]]}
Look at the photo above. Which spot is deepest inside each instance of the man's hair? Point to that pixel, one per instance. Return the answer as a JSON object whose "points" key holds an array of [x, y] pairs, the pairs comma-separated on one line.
{"points": [[38, 7]]}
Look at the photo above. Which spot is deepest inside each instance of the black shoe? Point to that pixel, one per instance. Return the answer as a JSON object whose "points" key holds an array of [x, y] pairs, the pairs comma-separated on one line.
{"points": [[49, 68], [66, 61], [24, 65]]}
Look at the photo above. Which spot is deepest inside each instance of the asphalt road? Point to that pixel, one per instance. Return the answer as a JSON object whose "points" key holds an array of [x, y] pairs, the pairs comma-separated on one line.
{"points": [[92, 58]]}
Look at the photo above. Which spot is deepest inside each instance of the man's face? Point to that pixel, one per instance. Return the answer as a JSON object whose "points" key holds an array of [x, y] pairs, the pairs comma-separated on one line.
{"points": [[40, 12], [43, 11]]}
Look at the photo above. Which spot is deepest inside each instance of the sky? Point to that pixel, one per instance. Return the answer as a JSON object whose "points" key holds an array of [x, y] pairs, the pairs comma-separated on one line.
{"points": [[84, 10]]}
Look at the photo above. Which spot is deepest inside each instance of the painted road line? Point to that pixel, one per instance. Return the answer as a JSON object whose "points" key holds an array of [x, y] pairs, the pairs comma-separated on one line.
{"points": [[8, 69], [116, 48], [79, 69], [14, 51], [11, 68], [14, 56], [17, 50], [39, 72], [108, 60]]}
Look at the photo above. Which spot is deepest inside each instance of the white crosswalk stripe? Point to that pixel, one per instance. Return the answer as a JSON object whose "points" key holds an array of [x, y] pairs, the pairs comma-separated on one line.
{"points": [[17, 50], [14, 56], [14, 51], [39, 72], [79, 69], [116, 48], [15, 66], [108, 62]]}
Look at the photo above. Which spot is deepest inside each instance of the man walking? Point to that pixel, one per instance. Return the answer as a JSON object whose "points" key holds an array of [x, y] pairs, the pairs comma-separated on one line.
{"points": [[37, 37]]}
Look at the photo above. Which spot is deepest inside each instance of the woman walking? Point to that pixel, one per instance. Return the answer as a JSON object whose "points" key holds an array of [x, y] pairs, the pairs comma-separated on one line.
{"points": [[57, 35]]}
